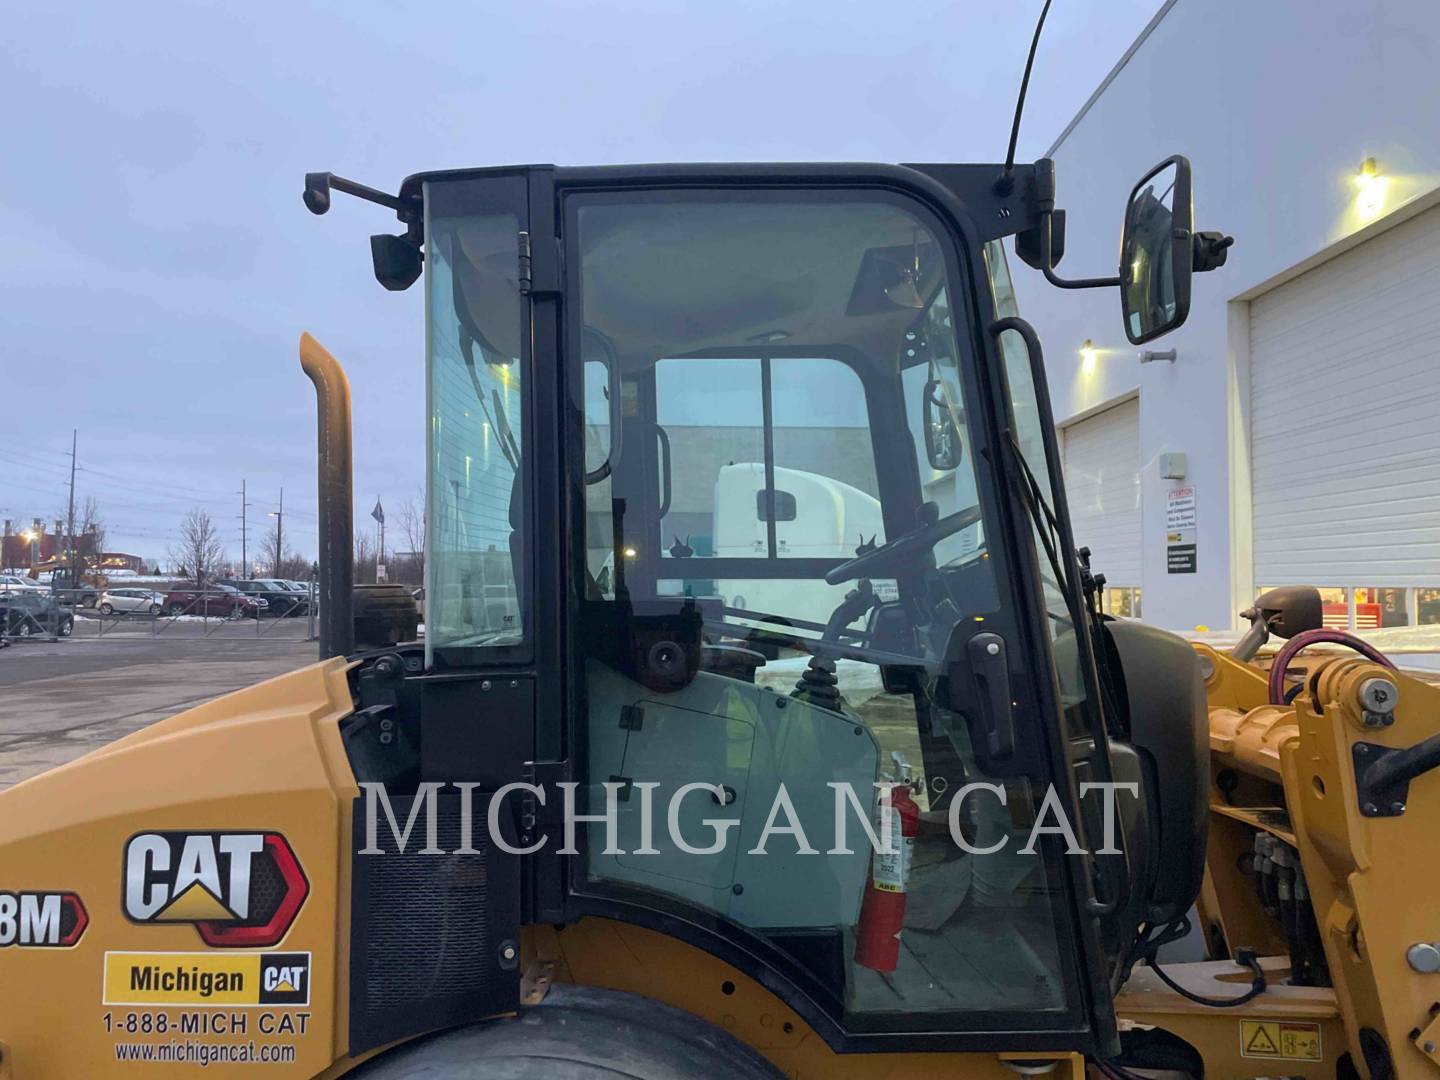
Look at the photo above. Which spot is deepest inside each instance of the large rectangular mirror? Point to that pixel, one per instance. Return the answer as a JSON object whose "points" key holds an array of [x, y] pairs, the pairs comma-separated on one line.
{"points": [[1155, 255]]}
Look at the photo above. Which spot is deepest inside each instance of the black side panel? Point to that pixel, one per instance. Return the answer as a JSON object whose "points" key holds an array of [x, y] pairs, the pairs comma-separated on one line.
{"points": [[1169, 724], [478, 728], [429, 934]]}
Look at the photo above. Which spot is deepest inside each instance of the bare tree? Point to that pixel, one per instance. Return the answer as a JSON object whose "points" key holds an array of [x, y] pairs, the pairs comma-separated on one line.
{"points": [[271, 555], [294, 567], [412, 527], [287, 564], [364, 560], [200, 552], [91, 525]]}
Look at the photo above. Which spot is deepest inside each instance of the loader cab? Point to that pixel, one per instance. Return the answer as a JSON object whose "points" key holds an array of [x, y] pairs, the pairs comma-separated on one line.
{"points": [[744, 507]]}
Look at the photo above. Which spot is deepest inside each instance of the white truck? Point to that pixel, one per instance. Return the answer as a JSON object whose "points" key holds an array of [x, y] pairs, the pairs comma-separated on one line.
{"points": [[816, 517]]}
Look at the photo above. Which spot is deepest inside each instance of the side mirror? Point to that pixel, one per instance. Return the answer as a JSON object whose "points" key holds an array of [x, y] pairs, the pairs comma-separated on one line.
{"points": [[1284, 612], [1291, 610], [1156, 257], [942, 438]]}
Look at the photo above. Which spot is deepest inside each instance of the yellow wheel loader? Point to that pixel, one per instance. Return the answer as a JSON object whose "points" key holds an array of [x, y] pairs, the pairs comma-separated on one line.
{"points": [[764, 722]]}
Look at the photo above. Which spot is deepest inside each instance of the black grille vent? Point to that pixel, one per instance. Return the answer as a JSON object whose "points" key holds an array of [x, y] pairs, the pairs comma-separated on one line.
{"points": [[428, 931]]}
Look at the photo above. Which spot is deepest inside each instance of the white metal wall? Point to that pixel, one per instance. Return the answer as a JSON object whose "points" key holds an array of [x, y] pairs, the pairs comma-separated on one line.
{"points": [[1102, 483], [1310, 91], [1345, 417]]}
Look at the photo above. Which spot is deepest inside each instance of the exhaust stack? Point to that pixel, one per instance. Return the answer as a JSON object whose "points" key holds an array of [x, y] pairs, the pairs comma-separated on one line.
{"points": [[336, 497]]}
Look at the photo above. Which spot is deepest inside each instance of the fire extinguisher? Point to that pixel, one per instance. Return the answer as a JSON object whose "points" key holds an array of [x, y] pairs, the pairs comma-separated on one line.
{"points": [[882, 911]]}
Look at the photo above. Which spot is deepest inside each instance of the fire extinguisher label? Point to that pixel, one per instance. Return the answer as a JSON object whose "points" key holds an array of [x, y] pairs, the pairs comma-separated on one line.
{"points": [[891, 870]]}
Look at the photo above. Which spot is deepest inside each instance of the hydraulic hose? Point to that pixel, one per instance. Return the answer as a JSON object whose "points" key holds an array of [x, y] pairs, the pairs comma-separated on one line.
{"points": [[1311, 637]]}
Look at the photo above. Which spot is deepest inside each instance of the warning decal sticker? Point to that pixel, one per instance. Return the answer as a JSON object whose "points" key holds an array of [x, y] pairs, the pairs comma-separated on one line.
{"points": [[1280, 1039]]}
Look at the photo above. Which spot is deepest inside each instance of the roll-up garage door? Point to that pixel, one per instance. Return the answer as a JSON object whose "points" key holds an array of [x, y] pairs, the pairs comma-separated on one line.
{"points": [[1345, 419], [1102, 482]]}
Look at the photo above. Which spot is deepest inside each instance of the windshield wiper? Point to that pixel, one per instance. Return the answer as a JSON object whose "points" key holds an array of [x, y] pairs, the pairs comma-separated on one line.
{"points": [[1047, 526]]}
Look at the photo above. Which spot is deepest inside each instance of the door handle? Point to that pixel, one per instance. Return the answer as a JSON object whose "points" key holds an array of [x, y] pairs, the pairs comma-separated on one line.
{"points": [[990, 668], [664, 438]]}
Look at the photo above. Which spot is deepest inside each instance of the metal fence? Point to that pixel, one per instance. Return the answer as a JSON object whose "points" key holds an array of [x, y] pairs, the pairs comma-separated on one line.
{"points": [[53, 614]]}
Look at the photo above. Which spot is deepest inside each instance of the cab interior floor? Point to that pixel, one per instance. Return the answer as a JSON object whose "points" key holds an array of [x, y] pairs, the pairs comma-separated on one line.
{"points": [[981, 958]]}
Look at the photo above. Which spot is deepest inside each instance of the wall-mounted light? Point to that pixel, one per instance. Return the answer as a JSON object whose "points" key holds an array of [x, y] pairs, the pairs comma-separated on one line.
{"points": [[1372, 185], [1088, 355]]}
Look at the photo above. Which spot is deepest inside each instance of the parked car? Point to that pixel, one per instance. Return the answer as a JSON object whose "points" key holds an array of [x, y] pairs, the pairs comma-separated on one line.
{"points": [[19, 581], [223, 601], [131, 602], [34, 613], [281, 601], [308, 589]]}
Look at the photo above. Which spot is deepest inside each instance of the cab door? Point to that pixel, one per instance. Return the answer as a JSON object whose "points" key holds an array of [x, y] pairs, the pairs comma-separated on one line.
{"points": [[780, 584]]}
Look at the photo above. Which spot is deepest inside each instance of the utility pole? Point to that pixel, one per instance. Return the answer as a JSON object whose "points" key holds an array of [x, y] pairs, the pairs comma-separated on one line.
{"points": [[279, 516], [70, 516], [244, 550]]}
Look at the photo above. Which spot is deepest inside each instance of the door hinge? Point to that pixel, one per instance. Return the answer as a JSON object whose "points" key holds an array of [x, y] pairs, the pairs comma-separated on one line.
{"points": [[542, 278], [632, 717]]}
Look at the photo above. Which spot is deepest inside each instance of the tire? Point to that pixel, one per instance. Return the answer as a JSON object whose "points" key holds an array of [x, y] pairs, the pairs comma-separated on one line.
{"points": [[107, 609], [67, 628], [578, 1033], [155, 609], [24, 631], [177, 610]]}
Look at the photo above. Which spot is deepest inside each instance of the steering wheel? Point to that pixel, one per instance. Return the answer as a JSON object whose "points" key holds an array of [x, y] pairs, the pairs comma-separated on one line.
{"points": [[874, 563]]}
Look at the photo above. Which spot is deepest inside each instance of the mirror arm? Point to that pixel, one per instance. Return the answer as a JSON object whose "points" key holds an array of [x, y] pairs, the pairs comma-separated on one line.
{"points": [[318, 186], [1047, 263]]}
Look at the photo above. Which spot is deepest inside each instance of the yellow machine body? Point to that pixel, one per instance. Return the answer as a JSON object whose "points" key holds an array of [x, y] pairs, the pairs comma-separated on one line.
{"points": [[265, 760], [269, 760]]}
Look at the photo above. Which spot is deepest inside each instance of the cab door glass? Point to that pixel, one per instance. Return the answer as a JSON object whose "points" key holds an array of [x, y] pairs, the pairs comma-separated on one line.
{"points": [[1025, 411], [751, 622], [476, 503]]}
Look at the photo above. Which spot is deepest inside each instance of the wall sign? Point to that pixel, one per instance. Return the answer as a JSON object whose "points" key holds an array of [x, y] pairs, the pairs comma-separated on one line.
{"points": [[1180, 557], [1180, 508]]}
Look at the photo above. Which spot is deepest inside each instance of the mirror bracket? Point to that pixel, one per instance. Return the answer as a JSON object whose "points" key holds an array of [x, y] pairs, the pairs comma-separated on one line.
{"points": [[1050, 230], [1210, 250], [1047, 264]]}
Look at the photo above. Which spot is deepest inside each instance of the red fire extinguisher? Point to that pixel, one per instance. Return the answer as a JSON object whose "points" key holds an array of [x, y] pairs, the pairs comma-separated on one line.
{"points": [[882, 911]]}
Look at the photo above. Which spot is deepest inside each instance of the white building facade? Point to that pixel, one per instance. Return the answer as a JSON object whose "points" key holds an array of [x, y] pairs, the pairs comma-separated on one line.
{"points": [[1295, 436]]}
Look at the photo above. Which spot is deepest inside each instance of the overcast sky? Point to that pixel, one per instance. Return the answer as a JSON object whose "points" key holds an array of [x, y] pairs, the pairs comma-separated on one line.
{"points": [[159, 265]]}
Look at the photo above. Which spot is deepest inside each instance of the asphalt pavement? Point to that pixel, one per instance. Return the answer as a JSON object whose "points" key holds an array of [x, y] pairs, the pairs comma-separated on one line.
{"points": [[59, 700]]}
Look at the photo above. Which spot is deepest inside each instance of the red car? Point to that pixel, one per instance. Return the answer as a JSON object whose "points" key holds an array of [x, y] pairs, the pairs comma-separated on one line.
{"points": [[220, 601]]}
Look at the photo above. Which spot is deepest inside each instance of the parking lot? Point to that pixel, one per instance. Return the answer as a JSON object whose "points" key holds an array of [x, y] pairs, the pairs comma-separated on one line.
{"points": [[59, 700]]}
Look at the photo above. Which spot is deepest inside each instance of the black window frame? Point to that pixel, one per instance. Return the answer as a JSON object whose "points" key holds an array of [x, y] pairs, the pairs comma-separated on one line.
{"points": [[1087, 1024]]}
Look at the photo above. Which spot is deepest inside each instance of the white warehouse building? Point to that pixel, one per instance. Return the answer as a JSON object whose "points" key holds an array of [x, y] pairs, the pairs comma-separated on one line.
{"points": [[1299, 419]]}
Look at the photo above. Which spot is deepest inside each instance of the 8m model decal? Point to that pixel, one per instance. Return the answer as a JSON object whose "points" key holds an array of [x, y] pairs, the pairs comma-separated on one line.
{"points": [[41, 920], [239, 889]]}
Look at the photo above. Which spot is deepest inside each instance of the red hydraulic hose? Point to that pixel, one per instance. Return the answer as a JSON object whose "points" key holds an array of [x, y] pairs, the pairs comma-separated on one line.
{"points": [[1310, 637]]}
